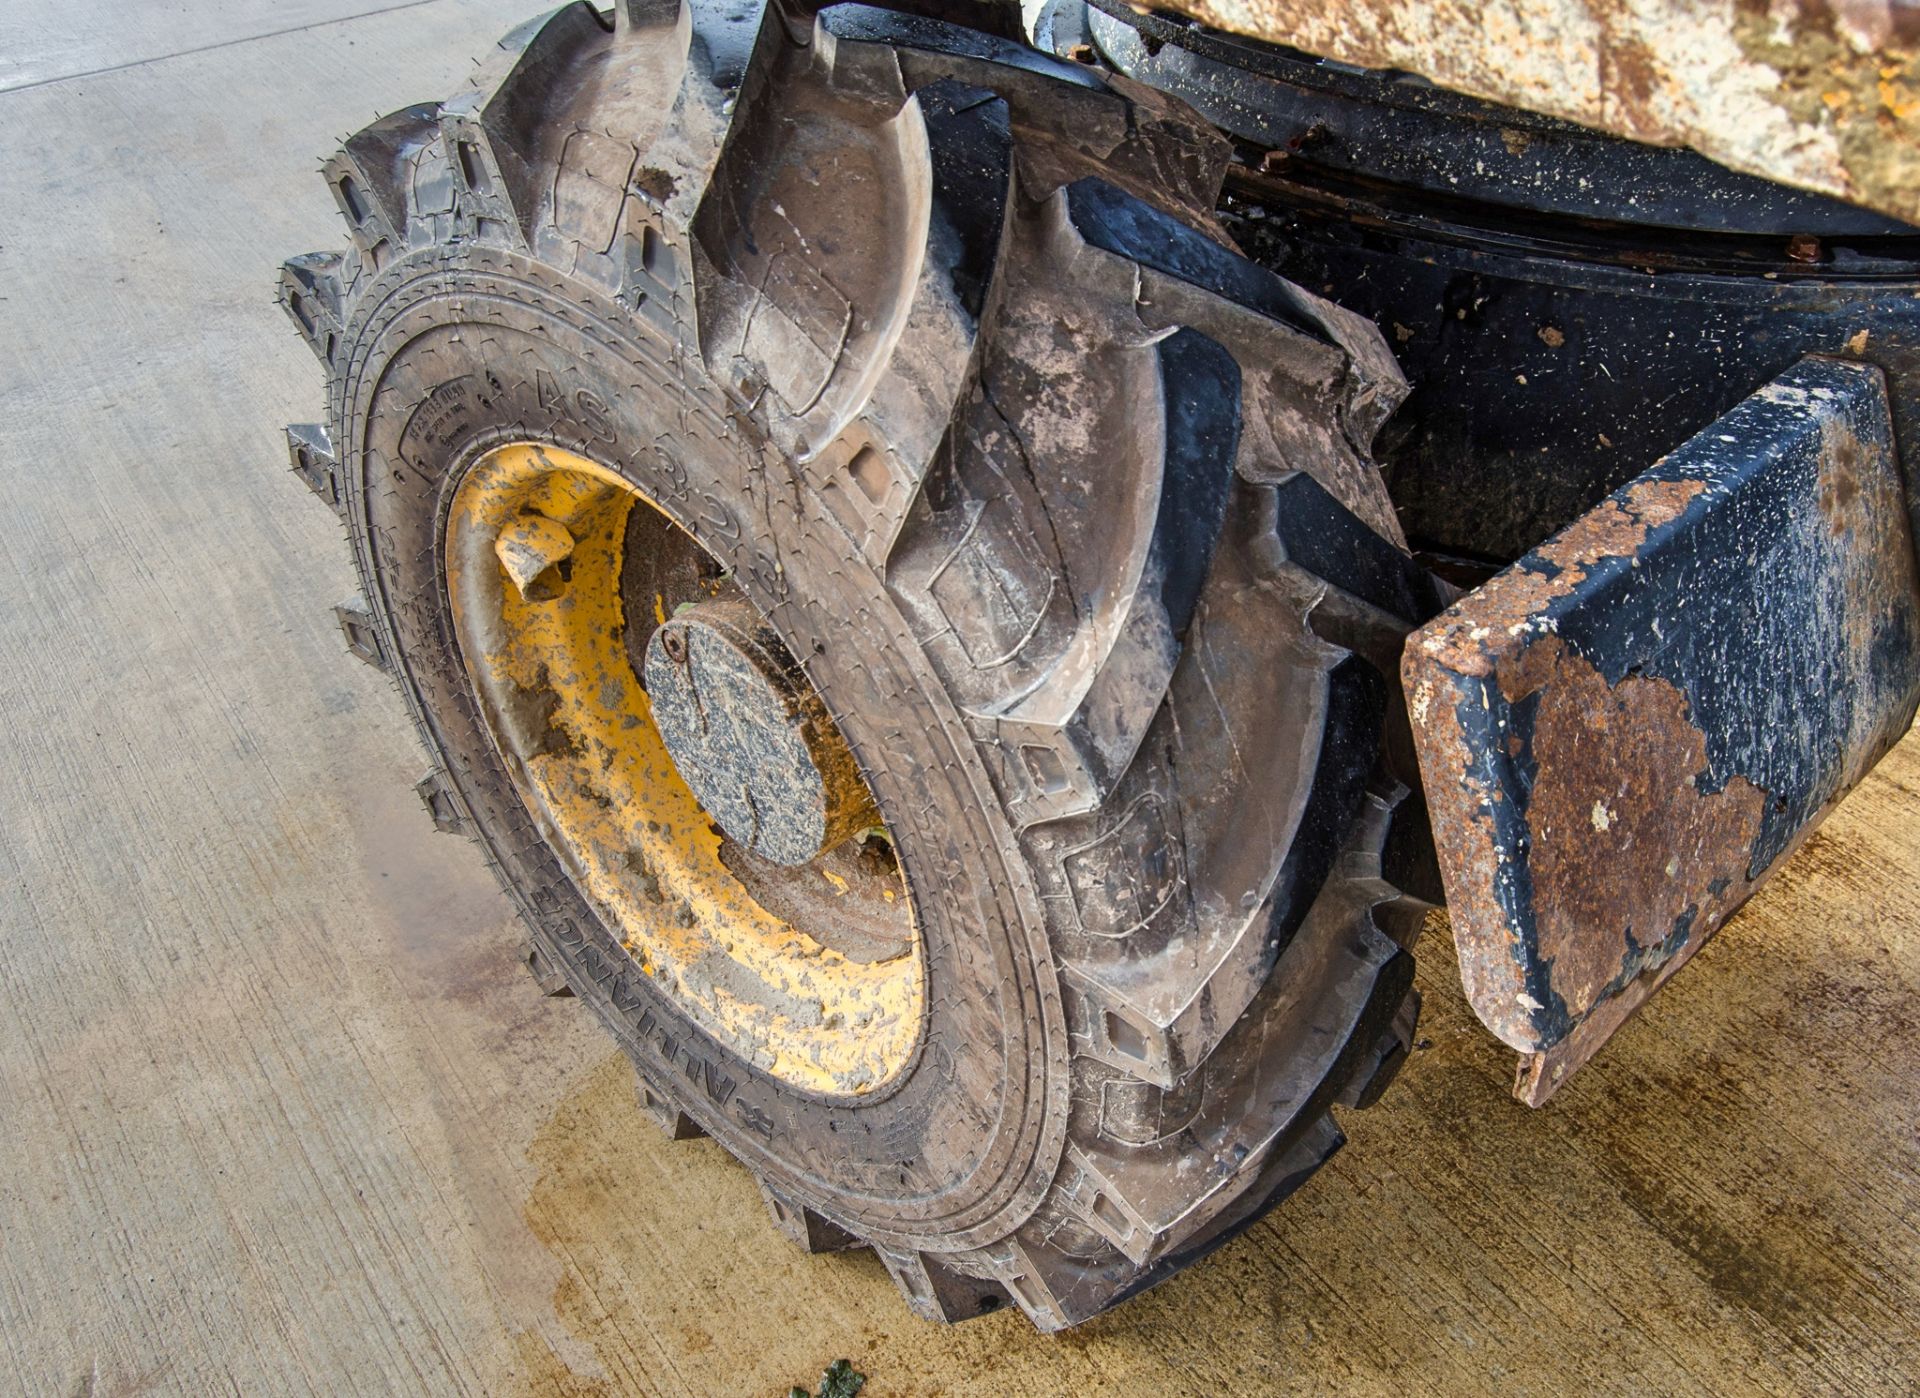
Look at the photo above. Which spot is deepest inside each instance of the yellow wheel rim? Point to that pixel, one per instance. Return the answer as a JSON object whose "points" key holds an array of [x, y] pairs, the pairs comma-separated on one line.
{"points": [[557, 568]]}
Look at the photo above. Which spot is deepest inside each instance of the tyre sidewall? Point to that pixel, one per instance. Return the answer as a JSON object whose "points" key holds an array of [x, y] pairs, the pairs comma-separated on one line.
{"points": [[462, 350]]}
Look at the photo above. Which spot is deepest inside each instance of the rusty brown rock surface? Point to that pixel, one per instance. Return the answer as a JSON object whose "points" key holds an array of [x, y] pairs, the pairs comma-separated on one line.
{"points": [[1824, 94]]}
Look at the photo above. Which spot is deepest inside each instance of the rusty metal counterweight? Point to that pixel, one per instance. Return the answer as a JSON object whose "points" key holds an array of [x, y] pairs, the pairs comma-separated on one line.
{"points": [[1627, 731]]}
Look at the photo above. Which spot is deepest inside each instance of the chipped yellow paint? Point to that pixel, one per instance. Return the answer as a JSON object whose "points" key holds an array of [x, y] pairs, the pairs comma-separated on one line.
{"points": [[549, 664]]}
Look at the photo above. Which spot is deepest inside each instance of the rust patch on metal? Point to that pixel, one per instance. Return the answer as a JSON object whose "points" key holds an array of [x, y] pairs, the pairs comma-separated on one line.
{"points": [[1465, 837], [1840, 480], [1512, 603], [1650, 852]]}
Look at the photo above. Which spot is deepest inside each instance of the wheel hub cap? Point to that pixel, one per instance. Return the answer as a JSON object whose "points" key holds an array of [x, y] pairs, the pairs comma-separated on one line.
{"points": [[746, 731]]}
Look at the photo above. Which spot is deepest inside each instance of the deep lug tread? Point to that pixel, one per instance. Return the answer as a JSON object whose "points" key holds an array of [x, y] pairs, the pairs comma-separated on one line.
{"points": [[310, 293], [544, 969], [372, 179], [935, 1291], [1200, 394], [666, 1114], [1135, 229], [878, 464], [310, 457], [1284, 1174], [449, 815], [805, 1229], [1382, 1062], [496, 134], [362, 633], [853, 358], [1163, 1025], [1061, 680], [1316, 532], [1075, 119], [1254, 1107]]}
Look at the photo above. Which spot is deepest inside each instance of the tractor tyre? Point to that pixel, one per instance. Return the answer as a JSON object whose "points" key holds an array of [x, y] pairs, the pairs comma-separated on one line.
{"points": [[907, 611]]}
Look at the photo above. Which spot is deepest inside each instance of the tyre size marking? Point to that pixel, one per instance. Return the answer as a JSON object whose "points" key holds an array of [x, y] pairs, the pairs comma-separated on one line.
{"points": [[437, 419]]}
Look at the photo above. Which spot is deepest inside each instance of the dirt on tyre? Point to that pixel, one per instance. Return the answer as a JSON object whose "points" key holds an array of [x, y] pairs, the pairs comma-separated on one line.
{"points": [[908, 611]]}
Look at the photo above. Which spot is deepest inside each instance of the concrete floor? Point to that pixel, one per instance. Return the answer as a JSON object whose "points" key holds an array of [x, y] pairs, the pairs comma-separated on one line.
{"points": [[279, 1113]]}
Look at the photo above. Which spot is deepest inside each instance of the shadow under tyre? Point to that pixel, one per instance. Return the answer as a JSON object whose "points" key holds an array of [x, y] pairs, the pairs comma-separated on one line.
{"points": [[908, 611]]}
